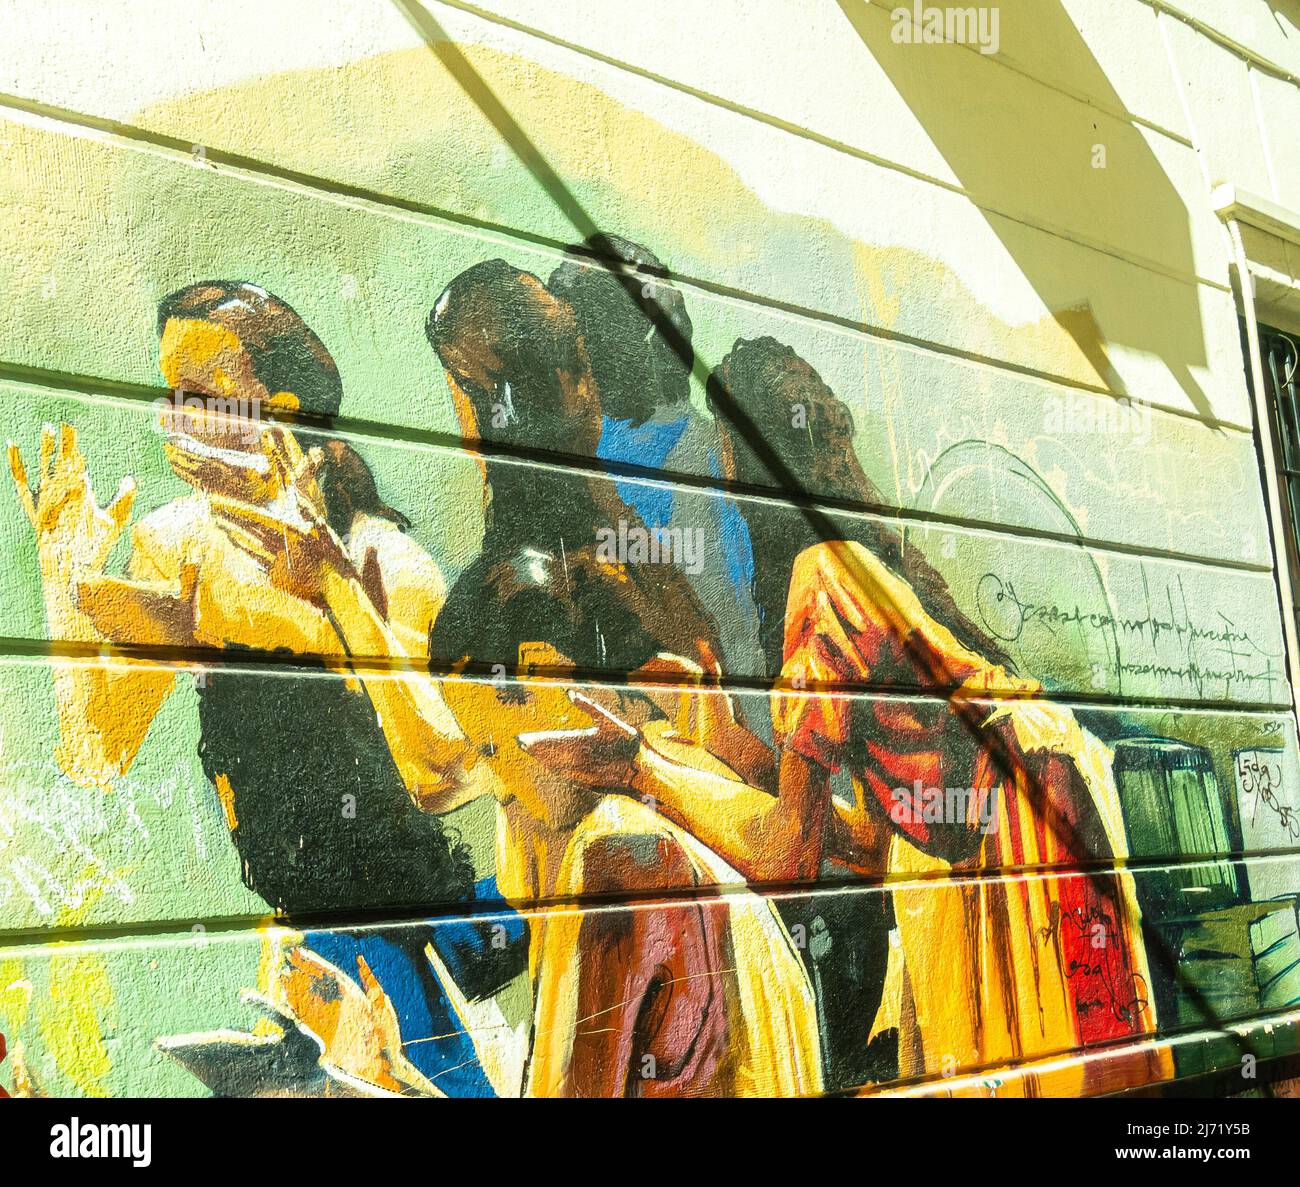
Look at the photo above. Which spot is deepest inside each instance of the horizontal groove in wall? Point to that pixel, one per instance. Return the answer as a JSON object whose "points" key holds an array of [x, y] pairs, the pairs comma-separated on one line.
{"points": [[39, 941], [1009, 213], [1235, 1030], [213, 659], [363, 430], [270, 174], [199, 929], [840, 146], [775, 121], [1236, 1033], [1237, 49], [1222, 40]]}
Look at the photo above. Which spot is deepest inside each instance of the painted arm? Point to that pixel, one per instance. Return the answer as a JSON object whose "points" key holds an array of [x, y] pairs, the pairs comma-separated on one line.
{"points": [[767, 838], [105, 707], [783, 837], [713, 777], [303, 557], [851, 621], [430, 749]]}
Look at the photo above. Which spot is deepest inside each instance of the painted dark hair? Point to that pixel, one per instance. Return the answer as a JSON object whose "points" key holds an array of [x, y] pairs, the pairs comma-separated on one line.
{"points": [[599, 623], [780, 399], [635, 328], [503, 323], [286, 355], [510, 343], [348, 488], [754, 393], [288, 748]]}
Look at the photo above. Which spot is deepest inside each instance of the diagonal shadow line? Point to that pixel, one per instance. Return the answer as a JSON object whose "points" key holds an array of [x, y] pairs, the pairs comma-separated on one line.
{"points": [[485, 99], [709, 484], [1006, 761], [955, 144]]}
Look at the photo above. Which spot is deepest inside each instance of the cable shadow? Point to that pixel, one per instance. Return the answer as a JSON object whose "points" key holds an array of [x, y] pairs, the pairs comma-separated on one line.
{"points": [[937, 674]]}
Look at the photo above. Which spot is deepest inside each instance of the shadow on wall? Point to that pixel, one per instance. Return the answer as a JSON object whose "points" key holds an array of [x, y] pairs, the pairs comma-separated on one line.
{"points": [[996, 141], [935, 670], [1287, 15], [734, 224]]}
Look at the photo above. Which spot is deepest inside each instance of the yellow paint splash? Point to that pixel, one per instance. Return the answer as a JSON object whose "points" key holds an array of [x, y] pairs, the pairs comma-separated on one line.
{"points": [[74, 1018]]}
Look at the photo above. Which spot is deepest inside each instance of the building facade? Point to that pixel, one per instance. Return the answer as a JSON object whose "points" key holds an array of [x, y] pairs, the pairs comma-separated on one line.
{"points": [[569, 549]]}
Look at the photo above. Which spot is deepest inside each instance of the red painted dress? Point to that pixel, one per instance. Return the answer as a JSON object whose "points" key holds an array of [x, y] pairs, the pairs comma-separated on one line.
{"points": [[995, 971]]}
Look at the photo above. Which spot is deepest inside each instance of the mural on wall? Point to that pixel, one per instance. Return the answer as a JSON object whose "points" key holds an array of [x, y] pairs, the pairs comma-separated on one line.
{"points": [[501, 668], [336, 789]]}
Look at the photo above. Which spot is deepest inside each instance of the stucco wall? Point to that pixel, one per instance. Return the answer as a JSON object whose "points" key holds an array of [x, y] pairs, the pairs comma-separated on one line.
{"points": [[1028, 418]]}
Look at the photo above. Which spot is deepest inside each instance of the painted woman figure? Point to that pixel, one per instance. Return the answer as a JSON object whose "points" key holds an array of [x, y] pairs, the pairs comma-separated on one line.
{"points": [[663, 998], [540, 591], [991, 971], [503, 337], [637, 333], [280, 749]]}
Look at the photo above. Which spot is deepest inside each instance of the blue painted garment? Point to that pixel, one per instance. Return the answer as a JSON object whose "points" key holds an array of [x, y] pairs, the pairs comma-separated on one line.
{"points": [[647, 444], [737, 547], [432, 1037]]}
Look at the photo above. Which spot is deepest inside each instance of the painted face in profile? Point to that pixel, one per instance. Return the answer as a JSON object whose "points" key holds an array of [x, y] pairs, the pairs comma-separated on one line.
{"points": [[496, 714], [778, 420], [515, 363], [217, 399], [214, 418]]}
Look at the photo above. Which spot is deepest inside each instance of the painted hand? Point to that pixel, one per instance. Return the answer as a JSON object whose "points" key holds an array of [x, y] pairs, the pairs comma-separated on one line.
{"points": [[74, 534], [355, 1021], [600, 755], [245, 477], [289, 537], [141, 612]]}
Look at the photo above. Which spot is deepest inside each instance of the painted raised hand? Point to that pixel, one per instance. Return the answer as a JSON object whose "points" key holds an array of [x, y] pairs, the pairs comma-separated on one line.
{"points": [[74, 534], [599, 755]]}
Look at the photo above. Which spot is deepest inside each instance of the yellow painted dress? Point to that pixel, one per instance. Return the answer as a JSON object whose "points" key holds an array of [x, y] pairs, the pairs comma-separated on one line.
{"points": [[681, 995], [995, 970], [754, 1019]]}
